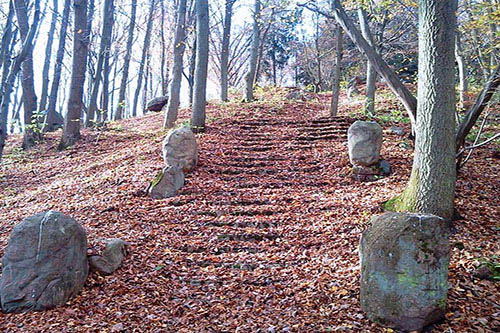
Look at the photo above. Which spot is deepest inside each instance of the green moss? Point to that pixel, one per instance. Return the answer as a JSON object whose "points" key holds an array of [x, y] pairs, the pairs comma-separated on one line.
{"points": [[157, 179], [406, 201]]}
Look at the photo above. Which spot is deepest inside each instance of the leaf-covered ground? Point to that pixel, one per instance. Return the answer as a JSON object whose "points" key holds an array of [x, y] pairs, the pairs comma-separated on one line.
{"points": [[263, 237]]}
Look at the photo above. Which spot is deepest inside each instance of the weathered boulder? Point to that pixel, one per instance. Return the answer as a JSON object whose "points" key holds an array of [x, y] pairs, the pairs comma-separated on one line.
{"points": [[157, 104], [112, 257], [45, 263], [181, 149], [404, 270], [397, 130], [167, 183], [364, 141], [295, 95]]}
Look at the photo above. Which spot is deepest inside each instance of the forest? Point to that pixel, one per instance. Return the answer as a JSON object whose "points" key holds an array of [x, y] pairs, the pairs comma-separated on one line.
{"points": [[250, 165]]}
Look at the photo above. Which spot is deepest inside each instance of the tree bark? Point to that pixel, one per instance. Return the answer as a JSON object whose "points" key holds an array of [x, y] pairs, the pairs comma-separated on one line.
{"points": [[175, 84], [200, 75], [145, 50], [48, 56], [51, 119], [224, 58], [71, 129], [334, 104], [105, 44], [371, 73], [254, 52], [431, 188], [31, 132], [126, 62]]}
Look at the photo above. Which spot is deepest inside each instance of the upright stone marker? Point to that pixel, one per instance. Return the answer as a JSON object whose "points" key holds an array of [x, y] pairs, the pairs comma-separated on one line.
{"points": [[404, 270], [45, 263], [364, 141], [181, 149]]}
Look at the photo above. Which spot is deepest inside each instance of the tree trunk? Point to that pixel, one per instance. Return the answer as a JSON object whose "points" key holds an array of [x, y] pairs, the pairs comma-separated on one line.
{"points": [[163, 50], [103, 112], [51, 119], [371, 73], [431, 188], [200, 75], [48, 55], [408, 100], [192, 68], [126, 62], [71, 129], [145, 50], [105, 44], [254, 52], [461, 69], [334, 105], [175, 84], [224, 58], [31, 133]]}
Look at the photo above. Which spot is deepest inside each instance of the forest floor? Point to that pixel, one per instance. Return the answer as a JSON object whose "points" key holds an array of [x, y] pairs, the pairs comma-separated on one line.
{"points": [[262, 238]]}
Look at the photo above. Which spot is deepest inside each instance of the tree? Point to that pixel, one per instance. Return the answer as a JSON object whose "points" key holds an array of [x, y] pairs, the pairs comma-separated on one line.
{"points": [[175, 84], [51, 119], [200, 76], [254, 52], [126, 62], [104, 47], [226, 36], [29, 96], [431, 188], [334, 105], [71, 129], [48, 55], [371, 74], [145, 50]]}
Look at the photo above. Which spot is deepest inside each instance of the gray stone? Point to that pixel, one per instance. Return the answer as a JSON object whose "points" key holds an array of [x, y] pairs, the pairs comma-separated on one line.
{"points": [[181, 149], [404, 270], [157, 104], [167, 183], [397, 130], [45, 263], [295, 95], [384, 167], [112, 257], [364, 141]]}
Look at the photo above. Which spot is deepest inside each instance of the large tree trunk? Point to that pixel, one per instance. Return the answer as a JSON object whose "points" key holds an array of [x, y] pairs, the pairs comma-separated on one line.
{"points": [[254, 53], [334, 104], [126, 62], [431, 188], [175, 84], [408, 100], [104, 47], [224, 55], [51, 119], [71, 130], [31, 132], [145, 50], [48, 56], [200, 75], [371, 73]]}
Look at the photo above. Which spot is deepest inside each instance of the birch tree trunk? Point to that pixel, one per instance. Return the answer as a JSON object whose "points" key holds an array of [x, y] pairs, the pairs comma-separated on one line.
{"points": [[71, 129], [254, 53], [371, 73], [31, 136], [224, 58], [104, 47], [126, 62], [200, 75], [334, 104], [51, 119], [431, 188], [145, 50], [175, 84]]}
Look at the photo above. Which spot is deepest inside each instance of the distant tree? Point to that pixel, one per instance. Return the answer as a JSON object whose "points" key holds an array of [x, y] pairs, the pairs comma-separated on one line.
{"points": [[126, 61], [175, 84], [371, 73], [48, 56], [31, 133], [254, 53], [200, 77], [224, 53], [334, 104], [145, 50], [71, 129], [51, 118]]}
